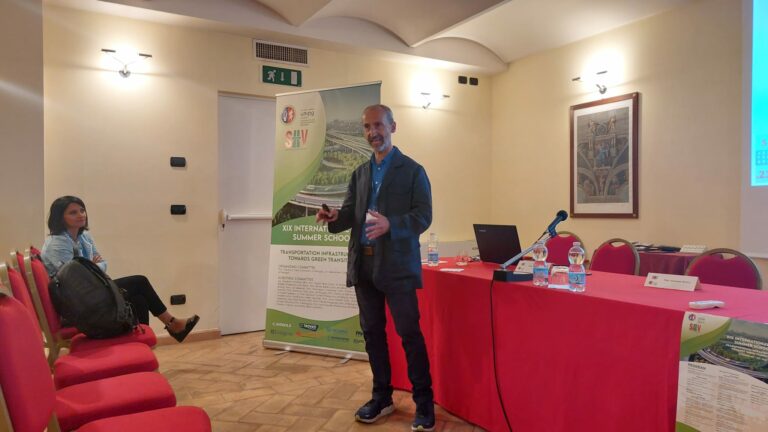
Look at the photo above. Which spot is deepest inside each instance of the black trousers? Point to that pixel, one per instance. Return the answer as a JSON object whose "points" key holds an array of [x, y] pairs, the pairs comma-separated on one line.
{"points": [[373, 320], [142, 296]]}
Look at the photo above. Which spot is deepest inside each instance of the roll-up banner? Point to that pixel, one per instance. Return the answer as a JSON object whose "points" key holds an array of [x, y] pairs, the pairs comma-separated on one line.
{"points": [[319, 143], [723, 377]]}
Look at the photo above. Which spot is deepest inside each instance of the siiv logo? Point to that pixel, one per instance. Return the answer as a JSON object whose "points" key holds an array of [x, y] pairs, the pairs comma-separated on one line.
{"points": [[288, 114], [295, 139], [310, 327], [696, 328]]}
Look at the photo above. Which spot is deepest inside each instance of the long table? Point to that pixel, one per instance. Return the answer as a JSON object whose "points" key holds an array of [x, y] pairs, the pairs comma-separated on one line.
{"points": [[606, 359]]}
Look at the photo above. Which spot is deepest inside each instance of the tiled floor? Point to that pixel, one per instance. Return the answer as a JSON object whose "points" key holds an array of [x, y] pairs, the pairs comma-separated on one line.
{"points": [[245, 387]]}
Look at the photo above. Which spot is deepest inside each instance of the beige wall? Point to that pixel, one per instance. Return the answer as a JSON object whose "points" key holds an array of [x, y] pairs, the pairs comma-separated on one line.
{"points": [[21, 123], [687, 66], [108, 140]]}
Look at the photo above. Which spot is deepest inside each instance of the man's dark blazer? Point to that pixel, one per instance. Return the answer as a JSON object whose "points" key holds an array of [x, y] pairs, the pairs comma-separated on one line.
{"points": [[405, 198]]}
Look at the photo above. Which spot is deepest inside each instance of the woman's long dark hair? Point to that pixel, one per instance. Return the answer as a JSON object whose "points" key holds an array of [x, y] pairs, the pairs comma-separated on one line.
{"points": [[56, 223]]}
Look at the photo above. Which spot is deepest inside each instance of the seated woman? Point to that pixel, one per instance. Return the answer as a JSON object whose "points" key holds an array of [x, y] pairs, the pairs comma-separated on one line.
{"points": [[69, 237]]}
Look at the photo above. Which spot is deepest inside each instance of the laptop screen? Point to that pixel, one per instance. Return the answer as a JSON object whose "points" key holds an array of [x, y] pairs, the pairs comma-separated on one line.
{"points": [[497, 243]]}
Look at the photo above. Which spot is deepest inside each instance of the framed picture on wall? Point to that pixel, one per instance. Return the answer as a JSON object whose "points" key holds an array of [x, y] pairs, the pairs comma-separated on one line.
{"points": [[604, 158]]}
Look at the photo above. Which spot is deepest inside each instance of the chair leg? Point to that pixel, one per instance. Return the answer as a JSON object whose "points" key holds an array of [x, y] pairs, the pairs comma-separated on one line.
{"points": [[5, 418], [53, 424], [53, 353]]}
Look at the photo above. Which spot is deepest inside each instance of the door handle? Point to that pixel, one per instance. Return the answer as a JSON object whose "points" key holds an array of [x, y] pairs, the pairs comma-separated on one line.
{"points": [[225, 217]]}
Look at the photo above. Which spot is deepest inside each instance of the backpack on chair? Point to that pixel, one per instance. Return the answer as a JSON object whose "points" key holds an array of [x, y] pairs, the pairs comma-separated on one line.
{"points": [[86, 297]]}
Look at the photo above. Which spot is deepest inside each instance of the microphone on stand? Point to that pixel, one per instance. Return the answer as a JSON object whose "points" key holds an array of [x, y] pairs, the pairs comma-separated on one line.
{"points": [[502, 274], [561, 216]]}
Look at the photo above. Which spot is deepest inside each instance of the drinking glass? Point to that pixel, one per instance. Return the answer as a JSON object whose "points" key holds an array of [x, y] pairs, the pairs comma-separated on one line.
{"points": [[559, 277], [462, 258]]}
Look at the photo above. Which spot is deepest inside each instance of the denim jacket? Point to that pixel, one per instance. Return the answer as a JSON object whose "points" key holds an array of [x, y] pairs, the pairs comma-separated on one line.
{"points": [[59, 249]]}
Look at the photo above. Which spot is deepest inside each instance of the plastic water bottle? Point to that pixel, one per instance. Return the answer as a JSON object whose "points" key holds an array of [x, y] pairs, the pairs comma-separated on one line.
{"points": [[577, 276], [433, 257], [540, 269]]}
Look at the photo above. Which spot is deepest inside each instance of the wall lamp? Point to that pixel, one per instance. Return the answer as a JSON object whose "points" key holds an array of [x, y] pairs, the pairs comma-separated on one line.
{"points": [[428, 99], [125, 72], [596, 81]]}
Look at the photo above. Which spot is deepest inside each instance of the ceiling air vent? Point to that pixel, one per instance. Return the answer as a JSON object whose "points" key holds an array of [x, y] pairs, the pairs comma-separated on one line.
{"points": [[280, 53]]}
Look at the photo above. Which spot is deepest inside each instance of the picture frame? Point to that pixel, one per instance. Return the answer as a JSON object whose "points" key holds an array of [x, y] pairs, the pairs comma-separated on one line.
{"points": [[604, 157]]}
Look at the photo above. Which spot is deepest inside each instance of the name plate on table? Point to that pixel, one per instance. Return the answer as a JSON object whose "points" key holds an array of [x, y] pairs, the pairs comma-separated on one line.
{"points": [[675, 282], [524, 267], [697, 249]]}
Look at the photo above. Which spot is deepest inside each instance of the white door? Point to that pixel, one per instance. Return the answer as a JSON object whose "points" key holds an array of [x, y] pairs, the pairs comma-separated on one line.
{"points": [[246, 166]]}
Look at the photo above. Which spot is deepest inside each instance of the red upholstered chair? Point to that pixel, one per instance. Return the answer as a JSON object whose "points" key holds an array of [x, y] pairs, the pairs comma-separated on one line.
{"points": [[616, 256], [725, 267], [19, 290], [51, 325], [557, 247], [30, 399], [85, 365], [65, 333], [104, 362], [184, 418], [19, 257], [27, 410]]}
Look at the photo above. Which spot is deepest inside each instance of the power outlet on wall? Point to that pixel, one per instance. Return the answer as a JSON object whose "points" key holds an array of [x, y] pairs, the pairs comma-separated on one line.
{"points": [[178, 299]]}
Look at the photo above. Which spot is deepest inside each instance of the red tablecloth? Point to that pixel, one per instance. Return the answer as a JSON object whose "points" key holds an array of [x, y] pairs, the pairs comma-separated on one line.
{"points": [[455, 320], [664, 262], [606, 359]]}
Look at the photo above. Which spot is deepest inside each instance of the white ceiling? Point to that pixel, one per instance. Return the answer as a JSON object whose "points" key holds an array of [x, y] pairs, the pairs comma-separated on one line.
{"points": [[472, 35]]}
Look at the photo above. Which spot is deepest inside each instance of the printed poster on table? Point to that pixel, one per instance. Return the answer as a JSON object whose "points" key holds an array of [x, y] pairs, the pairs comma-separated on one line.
{"points": [[319, 143], [723, 379]]}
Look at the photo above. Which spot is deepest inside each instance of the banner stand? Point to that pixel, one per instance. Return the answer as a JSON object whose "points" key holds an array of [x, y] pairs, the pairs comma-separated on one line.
{"points": [[318, 144], [315, 350]]}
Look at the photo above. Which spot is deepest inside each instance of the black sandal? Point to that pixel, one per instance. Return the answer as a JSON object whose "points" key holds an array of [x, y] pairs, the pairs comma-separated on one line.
{"points": [[180, 336]]}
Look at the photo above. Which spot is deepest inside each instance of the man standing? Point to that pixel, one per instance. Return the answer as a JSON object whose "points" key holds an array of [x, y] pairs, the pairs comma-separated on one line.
{"points": [[388, 205]]}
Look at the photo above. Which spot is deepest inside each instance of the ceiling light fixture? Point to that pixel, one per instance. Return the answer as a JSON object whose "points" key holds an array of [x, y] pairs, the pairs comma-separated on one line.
{"points": [[125, 61]]}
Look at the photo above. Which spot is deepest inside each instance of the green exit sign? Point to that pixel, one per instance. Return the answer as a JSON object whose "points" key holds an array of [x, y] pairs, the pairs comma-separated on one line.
{"points": [[276, 75]]}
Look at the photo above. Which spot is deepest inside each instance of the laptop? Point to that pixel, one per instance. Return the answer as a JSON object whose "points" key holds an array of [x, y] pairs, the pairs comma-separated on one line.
{"points": [[497, 243]]}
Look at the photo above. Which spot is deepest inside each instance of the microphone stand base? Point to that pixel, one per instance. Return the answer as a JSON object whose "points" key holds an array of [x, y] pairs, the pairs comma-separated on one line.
{"points": [[505, 275]]}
